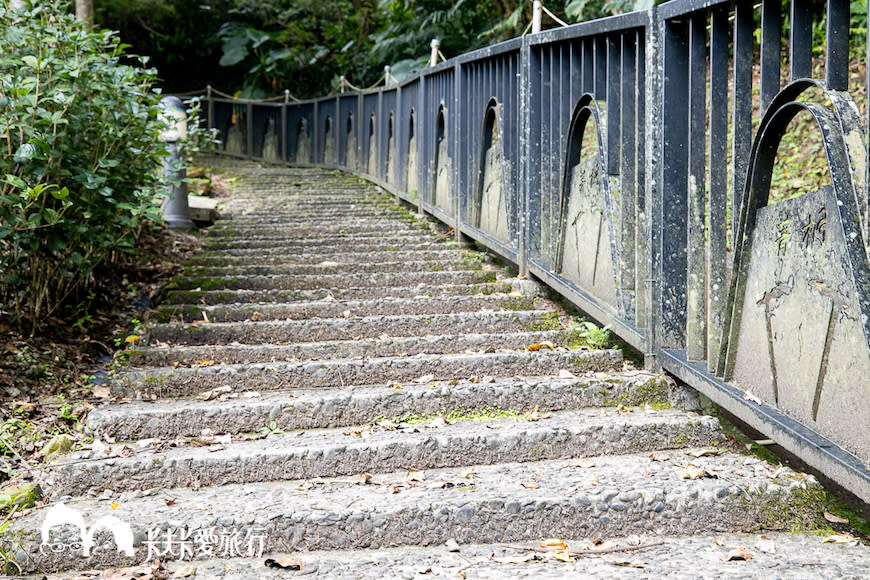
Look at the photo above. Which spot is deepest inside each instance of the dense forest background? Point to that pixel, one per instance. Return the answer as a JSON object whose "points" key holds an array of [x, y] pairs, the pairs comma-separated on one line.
{"points": [[262, 47]]}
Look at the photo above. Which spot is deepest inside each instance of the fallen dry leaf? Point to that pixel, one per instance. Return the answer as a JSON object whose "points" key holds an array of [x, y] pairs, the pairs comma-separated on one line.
{"points": [[101, 392], [530, 485], [184, 572], [556, 543], [562, 556], [566, 374], [702, 452], [750, 397], [204, 363], [424, 379], [693, 472], [739, 553], [765, 544], [659, 456], [169, 501], [468, 473], [835, 519], [285, 562], [365, 477], [213, 393], [534, 415], [415, 475]]}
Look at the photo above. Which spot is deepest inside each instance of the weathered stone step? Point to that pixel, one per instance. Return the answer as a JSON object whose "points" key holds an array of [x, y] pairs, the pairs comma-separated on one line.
{"points": [[347, 215], [796, 555], [339, 309], [302, 241], [315, 231], [457, 263], [313, 281], [601, 496], [333, 452], [311, 228], [355, 405], [212, 259], [335, 250], [179, 355], [179, 382], [316, 330], [358, 293]]}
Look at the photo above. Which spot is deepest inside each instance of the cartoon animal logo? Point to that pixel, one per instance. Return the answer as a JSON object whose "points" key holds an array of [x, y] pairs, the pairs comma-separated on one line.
{"points": [[62, 515]]}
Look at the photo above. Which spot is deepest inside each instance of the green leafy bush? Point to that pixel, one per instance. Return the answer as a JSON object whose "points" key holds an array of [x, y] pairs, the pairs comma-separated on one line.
{"points": [[79, 130]]}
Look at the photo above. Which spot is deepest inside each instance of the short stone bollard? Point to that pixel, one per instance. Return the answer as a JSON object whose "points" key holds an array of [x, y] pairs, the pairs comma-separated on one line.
{"points": [[176, 210]]}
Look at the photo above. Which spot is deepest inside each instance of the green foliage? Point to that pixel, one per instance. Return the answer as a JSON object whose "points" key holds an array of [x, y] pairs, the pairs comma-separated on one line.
{"points": [[586, 333], [80, 128]]}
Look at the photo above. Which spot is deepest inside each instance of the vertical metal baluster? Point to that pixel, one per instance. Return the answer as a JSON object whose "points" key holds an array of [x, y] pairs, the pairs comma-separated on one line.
{"points": [[837, 46], [627, 173], [614, 80], [742, 122], [674, 194], [696, 295], [717, 235], [801, 40], [771, 48], [640, 240]]}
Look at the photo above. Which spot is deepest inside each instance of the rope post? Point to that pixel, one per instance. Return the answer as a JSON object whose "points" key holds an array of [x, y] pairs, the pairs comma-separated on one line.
{"points": [[387, 78], [342, 83], [537, 11], [433, 56]]}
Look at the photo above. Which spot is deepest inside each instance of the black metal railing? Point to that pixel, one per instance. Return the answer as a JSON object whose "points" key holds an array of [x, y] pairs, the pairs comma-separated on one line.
{"points": [[627, 164]]}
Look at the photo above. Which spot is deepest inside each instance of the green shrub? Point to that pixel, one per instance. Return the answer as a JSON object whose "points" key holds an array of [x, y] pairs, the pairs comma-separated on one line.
{"points": [[79, 133]]}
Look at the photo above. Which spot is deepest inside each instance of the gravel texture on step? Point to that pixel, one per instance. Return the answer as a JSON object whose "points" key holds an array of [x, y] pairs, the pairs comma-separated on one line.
{"points": [[175, 382], [796, 556], [317, 281], [247, 411], [335, 309], [399, 239], [358, 293], [320, 329], [334, 452], [350, 258], [328, 229], [327, 267], [338, 251], [179, 355], [601, 496]]}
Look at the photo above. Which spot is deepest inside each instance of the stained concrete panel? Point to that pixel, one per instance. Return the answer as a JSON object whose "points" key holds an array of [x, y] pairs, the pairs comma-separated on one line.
{"points": [[801, 345], [586, 252]]}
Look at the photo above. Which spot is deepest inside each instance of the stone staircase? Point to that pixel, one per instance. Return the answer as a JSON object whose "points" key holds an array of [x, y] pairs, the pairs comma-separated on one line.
{"points": [[333, 373]]}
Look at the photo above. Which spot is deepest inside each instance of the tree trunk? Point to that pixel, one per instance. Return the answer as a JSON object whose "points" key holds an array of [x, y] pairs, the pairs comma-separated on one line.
{"points": [[85, 11]]}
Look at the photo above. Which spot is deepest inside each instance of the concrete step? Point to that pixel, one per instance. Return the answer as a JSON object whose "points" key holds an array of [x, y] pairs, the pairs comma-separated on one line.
{"points": [[354, 327], [358, 293], [248, 411], [178, 355], [326, 267], [337, 251], [303, 228], [340, 309], [179, 382], [212, 259], [304, 241], [317, 281], [378, 449], [602, 496], [794, 555]]}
